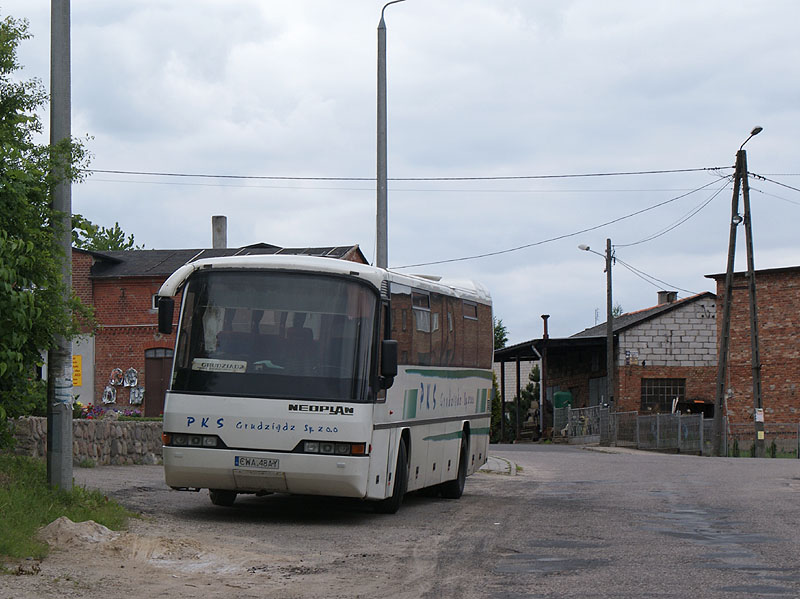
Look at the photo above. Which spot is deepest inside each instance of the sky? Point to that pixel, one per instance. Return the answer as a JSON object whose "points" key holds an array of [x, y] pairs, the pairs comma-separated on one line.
{"points": [[490, 102]]}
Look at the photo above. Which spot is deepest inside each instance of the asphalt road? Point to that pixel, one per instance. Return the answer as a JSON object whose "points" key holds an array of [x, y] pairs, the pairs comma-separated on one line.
{"points": [[553, 521]]}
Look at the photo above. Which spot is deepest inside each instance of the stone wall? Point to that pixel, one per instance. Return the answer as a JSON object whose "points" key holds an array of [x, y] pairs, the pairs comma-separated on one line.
{"points": [[103, 441]]}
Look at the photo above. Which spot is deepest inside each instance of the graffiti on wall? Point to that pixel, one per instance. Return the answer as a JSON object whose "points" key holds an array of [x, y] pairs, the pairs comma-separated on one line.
{"points": [[119, 380]]}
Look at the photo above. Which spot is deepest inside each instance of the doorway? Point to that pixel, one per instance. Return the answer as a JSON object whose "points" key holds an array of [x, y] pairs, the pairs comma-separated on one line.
{"points": [[157, 370]]}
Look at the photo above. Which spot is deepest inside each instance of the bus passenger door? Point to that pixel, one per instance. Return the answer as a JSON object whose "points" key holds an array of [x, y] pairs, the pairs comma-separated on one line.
{"points": [[384, 442]]}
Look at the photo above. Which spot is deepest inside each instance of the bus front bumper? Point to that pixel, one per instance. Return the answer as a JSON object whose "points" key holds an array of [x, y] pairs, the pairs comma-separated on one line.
{"points": [[257, 471]]}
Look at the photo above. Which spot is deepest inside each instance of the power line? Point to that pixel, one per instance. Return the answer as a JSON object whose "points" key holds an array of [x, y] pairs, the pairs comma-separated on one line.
{"points": [[646, 277], [559, 237], [772, 195], [763, 178], [677, 223], [395, 190], [484, 178]]}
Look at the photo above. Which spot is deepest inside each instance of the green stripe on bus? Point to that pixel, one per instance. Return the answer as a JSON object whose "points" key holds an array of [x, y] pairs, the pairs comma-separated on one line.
{"points": [[457, 435], [452, 374], [445, 437]]}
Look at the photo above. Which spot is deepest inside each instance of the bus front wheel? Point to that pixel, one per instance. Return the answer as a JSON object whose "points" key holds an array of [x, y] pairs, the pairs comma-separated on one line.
{"points": [[222, 497], [392, 504]]}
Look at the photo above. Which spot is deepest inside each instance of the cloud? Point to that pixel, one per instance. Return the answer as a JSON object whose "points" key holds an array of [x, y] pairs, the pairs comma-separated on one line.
{"points": [[476, 88]]}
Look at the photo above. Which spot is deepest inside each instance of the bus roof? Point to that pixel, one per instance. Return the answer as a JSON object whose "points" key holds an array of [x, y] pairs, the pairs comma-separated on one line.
{"points": [[465, 289]]}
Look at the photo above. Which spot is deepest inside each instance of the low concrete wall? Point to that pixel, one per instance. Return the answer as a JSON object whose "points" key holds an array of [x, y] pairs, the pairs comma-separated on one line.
{"points": [[103, 441]]}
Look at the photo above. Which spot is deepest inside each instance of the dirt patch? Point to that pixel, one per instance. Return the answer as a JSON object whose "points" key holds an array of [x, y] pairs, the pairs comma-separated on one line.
{"points": [[88, 560]]}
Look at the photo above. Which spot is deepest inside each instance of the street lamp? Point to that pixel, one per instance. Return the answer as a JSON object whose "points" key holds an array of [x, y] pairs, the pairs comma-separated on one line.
{"points": [[609, 322], [740, 179], [381, 225]]}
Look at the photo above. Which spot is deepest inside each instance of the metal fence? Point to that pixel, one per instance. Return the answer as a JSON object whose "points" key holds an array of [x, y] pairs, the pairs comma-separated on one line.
{"points": [[560, 422], [662, 432], [690, 433], [584, 424]]}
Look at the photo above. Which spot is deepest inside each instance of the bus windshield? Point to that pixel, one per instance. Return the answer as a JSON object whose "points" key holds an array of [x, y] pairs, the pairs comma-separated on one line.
{"points": [[276, 334]]}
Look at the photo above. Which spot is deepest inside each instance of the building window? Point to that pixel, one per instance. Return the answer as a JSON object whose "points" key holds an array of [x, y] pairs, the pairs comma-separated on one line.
{"points": [[470, 310], [658, 395], [154, 302]]}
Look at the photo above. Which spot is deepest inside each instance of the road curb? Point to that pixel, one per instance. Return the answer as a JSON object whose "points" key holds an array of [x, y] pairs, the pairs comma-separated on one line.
{"points": [[498, 465]]}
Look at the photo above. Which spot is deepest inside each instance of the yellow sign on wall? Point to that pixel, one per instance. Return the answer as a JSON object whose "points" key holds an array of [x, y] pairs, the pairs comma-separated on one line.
{"points": [[77, 370]]}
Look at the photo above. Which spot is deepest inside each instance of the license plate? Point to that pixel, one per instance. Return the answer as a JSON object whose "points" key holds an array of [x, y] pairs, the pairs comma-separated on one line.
{"points": [[241, 461]]}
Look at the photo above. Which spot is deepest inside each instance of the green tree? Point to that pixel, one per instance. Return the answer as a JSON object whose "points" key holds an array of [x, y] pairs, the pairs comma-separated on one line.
{"points": [[32, 308], [494, 427], [88, 236], [500, 333]]}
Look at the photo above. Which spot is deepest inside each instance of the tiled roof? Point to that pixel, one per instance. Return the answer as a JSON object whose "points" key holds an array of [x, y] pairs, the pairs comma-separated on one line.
{"points": [[630, 319]]}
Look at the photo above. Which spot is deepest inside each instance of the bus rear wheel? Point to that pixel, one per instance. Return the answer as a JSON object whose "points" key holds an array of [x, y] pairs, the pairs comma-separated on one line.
{"points": [[453, 489], [392, 504], [222, 497]]}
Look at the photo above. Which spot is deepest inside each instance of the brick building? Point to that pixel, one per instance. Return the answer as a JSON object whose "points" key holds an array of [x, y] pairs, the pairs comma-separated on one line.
{"points": [[778, 300], [662, 353], [127, 362]]}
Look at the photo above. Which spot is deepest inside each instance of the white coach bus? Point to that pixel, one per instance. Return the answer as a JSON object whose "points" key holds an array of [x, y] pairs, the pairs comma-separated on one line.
{"points": [[319, 376]]}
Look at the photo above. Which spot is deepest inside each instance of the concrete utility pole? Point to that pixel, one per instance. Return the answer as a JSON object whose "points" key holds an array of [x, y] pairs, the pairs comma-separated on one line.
{"points": [[740, 180], [381, 225], [59, 362]]}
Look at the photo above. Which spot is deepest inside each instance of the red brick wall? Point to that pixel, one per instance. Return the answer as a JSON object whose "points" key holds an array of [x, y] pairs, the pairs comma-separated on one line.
{"points": [[700, 381], [81, 285], [778, 299], [128, 327]]}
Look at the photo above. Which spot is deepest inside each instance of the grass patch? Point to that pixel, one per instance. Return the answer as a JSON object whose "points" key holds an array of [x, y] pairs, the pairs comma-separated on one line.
{"points": [[27, 503]]}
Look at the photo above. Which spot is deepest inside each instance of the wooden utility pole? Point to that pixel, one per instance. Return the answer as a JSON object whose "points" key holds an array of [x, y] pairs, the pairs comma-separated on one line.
{"points": [[609, 331], [755, 354], [739, 181]]}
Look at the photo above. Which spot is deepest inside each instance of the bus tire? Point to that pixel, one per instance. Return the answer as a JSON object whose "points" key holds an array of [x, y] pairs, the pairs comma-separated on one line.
{"points": [[453, 489], [222, 497], [391, 504]]}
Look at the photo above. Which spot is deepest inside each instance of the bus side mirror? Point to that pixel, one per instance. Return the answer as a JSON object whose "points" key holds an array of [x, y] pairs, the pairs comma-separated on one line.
{"points": [[166, 308], [388, 362]]}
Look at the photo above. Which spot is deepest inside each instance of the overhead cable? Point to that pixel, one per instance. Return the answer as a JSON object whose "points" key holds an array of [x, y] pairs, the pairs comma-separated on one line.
{"points": [[559, 237], [483, 178]]}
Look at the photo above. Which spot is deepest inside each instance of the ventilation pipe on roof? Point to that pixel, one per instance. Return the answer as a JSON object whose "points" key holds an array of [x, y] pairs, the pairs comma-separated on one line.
{"points": [[219, 232], [667, 297]]}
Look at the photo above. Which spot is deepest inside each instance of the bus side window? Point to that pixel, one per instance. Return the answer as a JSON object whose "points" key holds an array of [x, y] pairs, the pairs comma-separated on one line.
{"points": [[437, 303], [421, 341], [470, 337], [401, 304], [485, 336]]}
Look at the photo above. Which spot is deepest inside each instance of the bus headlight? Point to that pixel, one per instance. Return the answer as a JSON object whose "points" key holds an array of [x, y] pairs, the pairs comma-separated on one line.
{"points": [[332, 448], [186, 440]]}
